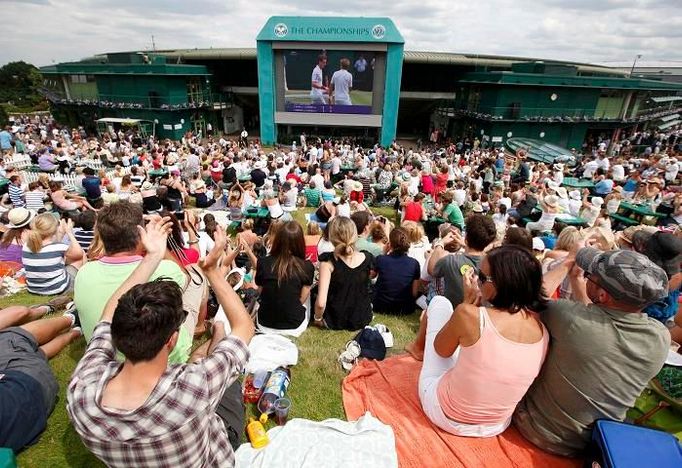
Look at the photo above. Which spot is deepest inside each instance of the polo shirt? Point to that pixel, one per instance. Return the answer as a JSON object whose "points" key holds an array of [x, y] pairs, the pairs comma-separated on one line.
{"points": [[97, 281]]}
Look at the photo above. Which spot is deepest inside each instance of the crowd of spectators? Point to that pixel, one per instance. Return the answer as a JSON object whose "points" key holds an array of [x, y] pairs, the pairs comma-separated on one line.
{"points": [[518, 276]]}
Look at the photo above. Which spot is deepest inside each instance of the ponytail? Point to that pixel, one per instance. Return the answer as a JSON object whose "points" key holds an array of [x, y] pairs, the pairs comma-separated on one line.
{"points": [[43, 227], [343, 235], [34, 241], [344, 250]]}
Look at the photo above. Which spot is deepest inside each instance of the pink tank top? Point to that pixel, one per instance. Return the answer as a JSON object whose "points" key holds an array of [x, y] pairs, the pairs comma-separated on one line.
{"points": [[490, 377]]}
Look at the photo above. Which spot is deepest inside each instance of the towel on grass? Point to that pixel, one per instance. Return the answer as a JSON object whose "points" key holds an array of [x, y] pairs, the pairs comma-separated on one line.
{"points": [[331, 443], [388, 389]]}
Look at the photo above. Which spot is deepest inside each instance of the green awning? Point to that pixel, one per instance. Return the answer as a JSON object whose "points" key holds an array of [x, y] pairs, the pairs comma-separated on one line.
{"points": [[669, 124], [542, 151], [666, 98]]}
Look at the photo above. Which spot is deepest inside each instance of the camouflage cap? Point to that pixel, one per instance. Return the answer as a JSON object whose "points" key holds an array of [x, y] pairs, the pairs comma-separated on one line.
{"points": [[627, 276]]}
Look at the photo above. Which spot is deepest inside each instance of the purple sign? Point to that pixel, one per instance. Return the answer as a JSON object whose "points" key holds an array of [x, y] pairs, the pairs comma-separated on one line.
{"points": [[327, 108]]}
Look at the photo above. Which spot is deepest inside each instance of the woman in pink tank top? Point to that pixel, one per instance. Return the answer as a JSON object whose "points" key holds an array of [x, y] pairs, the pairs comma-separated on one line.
{"points": [[478, 362]]}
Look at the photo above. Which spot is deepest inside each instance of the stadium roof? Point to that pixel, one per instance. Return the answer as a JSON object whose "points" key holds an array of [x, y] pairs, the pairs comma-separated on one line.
{"points": [[410, 56]]}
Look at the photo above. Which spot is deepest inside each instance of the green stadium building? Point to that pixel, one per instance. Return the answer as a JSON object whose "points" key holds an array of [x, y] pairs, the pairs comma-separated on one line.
{"points": [[480, 96]]}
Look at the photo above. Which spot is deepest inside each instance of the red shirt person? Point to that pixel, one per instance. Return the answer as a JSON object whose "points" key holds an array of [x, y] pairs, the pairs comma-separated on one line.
{"points": [[413, 210]]}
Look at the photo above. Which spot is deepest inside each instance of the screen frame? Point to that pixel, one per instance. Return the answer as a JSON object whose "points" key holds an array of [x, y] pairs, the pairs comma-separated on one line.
{"points": [[375, 119]]}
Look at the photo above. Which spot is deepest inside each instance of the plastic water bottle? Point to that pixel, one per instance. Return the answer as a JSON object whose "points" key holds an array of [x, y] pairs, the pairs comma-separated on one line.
{"points": [[275, 388]]}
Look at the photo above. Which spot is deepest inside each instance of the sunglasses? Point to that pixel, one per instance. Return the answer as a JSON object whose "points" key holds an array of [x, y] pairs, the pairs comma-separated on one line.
{"points": [[483, 278]]}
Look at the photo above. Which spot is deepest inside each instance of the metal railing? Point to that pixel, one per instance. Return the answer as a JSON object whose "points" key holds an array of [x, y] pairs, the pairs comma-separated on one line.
{"points": [[558, 114], [135, 101]]}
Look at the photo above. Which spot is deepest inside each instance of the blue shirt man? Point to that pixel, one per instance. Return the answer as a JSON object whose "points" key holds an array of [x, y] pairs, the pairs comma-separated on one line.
{"points": [[91, 184], [5, 140], [603, 187]]}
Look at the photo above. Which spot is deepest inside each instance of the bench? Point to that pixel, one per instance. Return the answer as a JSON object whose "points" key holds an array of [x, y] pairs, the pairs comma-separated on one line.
{"points": [[623, 219]]}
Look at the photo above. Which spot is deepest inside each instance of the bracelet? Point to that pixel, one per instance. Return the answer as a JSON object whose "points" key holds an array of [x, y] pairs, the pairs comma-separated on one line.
{"points": [[193, 242], [318, 319], [435, 245]]}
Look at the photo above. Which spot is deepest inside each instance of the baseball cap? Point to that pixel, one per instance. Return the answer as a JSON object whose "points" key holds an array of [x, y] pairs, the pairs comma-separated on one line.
{"points": [[628, 276]]}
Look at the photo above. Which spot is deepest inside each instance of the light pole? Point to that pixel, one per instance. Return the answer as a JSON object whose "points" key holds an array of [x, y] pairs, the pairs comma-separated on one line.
{"points": [[637, 57]]}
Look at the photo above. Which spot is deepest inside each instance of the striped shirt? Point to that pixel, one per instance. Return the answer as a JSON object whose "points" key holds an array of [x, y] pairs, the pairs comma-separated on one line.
{"points": [[46, 269], [34, 200], [16, 195], [83, 237]]}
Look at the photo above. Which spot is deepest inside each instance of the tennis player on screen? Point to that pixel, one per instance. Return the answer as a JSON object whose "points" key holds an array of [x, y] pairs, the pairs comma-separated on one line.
{"points": [[341, 84], [318, 90]]}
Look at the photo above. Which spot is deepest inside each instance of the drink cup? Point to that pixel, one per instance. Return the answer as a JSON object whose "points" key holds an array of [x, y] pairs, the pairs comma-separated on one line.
{"points": [[282, 407]]}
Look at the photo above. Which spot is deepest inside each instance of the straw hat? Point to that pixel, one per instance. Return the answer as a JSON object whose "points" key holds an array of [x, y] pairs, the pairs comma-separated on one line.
{"points": [[605, 238], [551, 201], [147, 185], [19, 217], [597, 201], [574, 195], [562, 193], [655, 180], [627, 234], [357, 186], [260, 164], [477, 208]]}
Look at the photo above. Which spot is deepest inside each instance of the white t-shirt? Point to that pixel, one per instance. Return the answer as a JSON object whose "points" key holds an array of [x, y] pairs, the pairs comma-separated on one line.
{"points": [[342, 81], [343, 209], [671, 171], [590, 168], [336, 165], [460, 196], [316, 78], [618, 172]]}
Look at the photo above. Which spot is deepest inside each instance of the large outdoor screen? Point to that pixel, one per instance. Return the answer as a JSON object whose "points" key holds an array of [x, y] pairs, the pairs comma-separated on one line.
{"points": [[328, 81]]}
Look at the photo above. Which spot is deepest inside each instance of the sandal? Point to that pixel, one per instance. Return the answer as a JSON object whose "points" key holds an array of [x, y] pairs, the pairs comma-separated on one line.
{"points": [[349, 357]]}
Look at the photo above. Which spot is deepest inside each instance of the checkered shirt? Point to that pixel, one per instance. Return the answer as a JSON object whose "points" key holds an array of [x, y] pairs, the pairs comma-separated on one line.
{"points": [[176, 427]]}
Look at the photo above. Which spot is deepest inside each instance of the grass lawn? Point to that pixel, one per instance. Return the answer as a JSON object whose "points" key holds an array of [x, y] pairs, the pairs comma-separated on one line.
{"points": [[315, 388]]}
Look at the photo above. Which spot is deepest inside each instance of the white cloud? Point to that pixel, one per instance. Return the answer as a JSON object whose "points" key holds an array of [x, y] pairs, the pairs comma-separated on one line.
{"points": [[47, 31]]}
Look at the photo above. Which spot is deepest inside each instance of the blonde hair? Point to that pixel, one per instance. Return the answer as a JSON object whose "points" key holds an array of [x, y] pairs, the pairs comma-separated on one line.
{"points": [[568, 237], [313, 229], [247, 224], [415, 231], [343, 234], [43, 227]]}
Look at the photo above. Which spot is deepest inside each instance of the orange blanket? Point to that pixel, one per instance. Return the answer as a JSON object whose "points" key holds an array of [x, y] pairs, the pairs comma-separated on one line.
{"points": [[388, 389]]}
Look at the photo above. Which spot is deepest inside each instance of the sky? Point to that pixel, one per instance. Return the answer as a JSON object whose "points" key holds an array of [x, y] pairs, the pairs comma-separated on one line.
{"points": [[596, 31]]}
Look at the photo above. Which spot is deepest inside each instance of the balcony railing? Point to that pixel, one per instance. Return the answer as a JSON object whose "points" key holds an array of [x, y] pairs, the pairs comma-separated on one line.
{"points": [[129, 101], [555, 114]]}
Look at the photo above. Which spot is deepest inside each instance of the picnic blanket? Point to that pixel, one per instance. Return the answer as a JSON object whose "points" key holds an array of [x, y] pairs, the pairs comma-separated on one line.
{"points": [[331, 443], [388, 389]]}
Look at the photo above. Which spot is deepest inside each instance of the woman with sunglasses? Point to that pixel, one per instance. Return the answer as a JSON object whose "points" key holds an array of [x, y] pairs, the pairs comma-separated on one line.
{"points": [[479, 361]]}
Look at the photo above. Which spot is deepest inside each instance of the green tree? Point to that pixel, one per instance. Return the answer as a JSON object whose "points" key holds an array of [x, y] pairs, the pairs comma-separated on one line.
{"points": [[19, 83], [4, 118]]}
